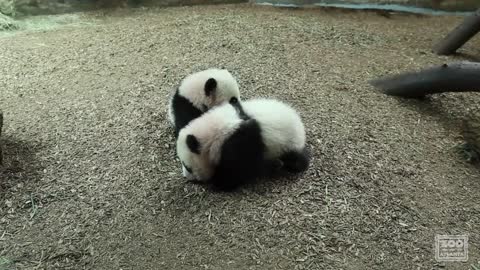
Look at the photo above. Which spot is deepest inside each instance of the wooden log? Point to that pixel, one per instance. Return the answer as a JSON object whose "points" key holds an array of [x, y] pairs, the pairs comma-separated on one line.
{"points": [[453, 77], [459, 36]]}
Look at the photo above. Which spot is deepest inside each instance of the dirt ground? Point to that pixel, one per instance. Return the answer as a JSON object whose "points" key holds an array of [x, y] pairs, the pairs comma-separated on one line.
{"points": [[90, 178]]}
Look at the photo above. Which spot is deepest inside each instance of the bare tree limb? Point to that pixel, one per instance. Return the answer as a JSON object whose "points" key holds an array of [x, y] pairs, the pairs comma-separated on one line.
{"points": [[454, 77], [460, 35]]}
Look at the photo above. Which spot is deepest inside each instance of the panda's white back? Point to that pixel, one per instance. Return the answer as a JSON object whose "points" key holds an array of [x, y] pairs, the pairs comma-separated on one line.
{"points": [[282, 127]]}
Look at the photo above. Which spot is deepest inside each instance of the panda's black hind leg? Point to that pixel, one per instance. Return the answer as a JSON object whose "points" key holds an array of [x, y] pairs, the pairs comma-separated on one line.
{"points": [[296, 162]]}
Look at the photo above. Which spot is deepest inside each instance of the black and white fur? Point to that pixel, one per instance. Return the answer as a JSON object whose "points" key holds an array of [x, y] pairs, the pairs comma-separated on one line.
{"points": [[199, 92], [236, 143]]}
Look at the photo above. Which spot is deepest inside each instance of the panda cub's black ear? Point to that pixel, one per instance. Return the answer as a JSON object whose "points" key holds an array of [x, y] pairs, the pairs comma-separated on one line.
{"points": [[193, 144], [210, 86]]}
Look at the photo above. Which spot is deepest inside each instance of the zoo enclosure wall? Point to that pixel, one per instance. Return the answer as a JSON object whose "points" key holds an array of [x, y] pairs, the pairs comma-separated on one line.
{"points": [[37, 7]]}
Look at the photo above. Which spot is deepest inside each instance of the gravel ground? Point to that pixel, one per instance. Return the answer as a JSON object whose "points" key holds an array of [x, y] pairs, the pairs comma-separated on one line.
{"points": [[91, 180]]}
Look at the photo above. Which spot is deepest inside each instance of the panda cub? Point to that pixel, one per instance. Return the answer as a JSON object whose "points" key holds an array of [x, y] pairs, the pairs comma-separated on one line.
{"points": [[199, 92], [236, 143]]}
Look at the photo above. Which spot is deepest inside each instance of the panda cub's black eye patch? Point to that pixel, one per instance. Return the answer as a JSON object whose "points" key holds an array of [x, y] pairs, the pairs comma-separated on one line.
{"points": [[193, 144]]}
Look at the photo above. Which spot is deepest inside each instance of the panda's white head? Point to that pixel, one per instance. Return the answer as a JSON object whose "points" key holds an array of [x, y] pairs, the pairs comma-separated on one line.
{"points": [[199, 144], [209, 88]]}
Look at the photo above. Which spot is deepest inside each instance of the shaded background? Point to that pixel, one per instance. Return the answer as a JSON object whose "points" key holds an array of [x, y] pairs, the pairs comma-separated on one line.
{"points": [[37, 7], [405, 5]]}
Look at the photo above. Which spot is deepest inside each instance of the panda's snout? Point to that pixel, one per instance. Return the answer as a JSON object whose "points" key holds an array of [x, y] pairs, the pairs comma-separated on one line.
{"points": [[184, 171]]}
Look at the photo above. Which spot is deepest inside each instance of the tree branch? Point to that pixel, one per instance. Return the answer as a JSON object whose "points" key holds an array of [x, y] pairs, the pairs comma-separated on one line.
{"points": [[460, 35], [454, 77]]}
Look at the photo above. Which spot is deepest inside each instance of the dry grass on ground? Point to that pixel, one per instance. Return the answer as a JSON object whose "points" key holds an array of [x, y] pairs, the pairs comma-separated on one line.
{"points": [[91, 179]]}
